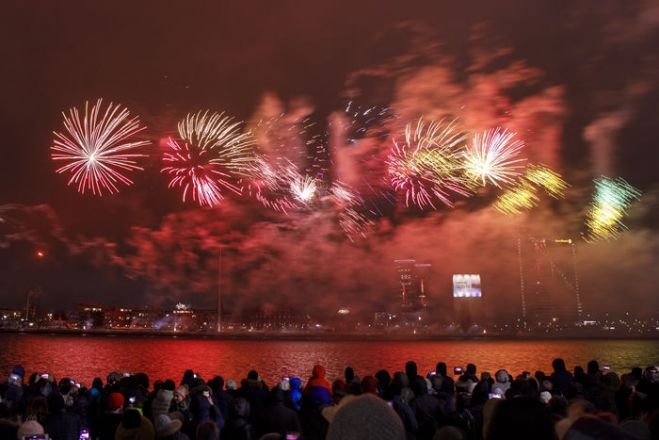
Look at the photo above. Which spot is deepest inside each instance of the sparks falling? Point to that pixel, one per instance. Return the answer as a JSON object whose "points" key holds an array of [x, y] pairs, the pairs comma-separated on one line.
{"points": [[269, 182], [211, 155], [97, 149]]}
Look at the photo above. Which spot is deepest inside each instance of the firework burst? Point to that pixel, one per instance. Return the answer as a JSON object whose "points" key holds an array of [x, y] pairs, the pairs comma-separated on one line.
{"points": [[426, 166], [303, 189], [611, 201], [211, 154], [97, 149], [493, 156]]}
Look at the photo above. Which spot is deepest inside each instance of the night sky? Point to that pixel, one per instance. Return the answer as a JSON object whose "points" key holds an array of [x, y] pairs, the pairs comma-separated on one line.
{"points": [[578, 80]]}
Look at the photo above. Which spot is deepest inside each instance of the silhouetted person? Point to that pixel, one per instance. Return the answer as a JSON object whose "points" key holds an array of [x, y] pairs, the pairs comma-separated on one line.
{"points": [[521, 418]]}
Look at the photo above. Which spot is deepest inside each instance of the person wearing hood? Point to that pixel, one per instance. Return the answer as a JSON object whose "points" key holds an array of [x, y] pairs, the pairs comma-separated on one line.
{"points": [[404, 411], [447, 386], [238, 426], [277, 417], [406, 392], [426, 408], [470, 374], [255, 391], [188, 379], [561, 379], [411, 371], [15, 389], [295, 392], [318, 379], [501, 382], [203, 408], [62, 425], [520, 418], [318, 391], [222, 398]]}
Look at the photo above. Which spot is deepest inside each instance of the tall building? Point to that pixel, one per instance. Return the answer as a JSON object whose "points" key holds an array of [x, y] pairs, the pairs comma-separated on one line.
{"points": [[549, 280], [412, 278]]}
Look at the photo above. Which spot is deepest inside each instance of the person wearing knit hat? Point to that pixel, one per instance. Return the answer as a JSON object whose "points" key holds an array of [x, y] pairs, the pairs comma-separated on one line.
{"points": [[161, 403], [330, 411], [366, 417], [165, 426], [31, 427], [115, 401]]}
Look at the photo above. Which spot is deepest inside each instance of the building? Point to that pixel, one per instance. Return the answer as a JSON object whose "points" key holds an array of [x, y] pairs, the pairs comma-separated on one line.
{"points": [[412, 279], [549, 281]]}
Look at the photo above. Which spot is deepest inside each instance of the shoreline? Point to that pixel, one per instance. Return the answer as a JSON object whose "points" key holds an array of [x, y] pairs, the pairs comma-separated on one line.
{"points": [[348, 337]]}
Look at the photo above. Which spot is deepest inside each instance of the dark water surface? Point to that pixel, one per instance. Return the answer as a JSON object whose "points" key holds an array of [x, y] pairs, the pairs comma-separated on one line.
{"points": [[83, 358]]}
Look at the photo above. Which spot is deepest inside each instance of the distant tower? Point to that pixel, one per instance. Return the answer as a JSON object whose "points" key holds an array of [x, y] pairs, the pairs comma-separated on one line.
{"points": [[405, 270], [421, 273], [413, 283]]}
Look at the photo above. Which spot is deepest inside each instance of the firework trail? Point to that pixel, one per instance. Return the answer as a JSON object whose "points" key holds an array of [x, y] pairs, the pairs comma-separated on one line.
{"points": [[547, 179], [426, 166], [269, 182], [367, 121], [211, 154], [521, 197], [354, 224], [492, 157], [97, 149], [611, 200]]}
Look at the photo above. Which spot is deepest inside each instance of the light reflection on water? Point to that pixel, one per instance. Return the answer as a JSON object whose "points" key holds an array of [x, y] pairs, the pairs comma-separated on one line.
{"points": [[83, 358]]}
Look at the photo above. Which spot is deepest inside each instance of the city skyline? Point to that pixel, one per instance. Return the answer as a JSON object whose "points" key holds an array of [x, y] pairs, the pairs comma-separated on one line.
{"points": [[336, 114]]}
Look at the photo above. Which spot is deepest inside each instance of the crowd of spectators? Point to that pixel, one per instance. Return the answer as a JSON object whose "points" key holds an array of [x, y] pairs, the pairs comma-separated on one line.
{"points": [[591, 403]]}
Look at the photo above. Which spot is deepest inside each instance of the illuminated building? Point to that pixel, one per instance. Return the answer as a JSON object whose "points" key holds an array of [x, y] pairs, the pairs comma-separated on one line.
{"points": [[412, 278], [549, 281]]}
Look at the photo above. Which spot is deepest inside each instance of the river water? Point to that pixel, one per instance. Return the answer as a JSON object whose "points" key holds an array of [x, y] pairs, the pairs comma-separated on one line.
{"points": [[84, 357]]}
